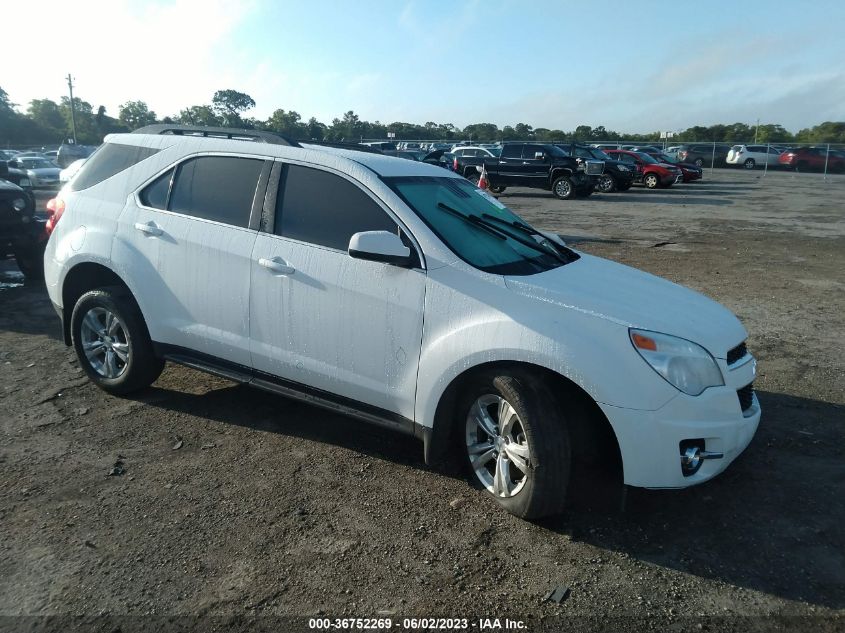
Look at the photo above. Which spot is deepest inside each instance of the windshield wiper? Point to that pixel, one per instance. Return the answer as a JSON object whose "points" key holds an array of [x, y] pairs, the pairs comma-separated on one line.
{"points": [[530, 230], [484, 224], [475, 221]]}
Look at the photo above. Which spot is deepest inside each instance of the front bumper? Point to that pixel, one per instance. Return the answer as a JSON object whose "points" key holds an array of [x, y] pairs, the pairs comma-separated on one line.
{"points": [[649, 441]]}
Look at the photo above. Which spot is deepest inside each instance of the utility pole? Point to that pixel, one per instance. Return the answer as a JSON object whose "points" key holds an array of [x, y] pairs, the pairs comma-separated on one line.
{"points": [[757, 127], [72, 107]]}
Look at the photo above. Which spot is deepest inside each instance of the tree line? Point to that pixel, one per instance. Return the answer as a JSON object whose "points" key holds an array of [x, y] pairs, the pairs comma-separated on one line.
{"points": [[45, 121]]}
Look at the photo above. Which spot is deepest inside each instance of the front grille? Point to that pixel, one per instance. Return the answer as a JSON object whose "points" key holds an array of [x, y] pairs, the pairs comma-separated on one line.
{"points": [[595, 167], [746, 396], [736, 353]]}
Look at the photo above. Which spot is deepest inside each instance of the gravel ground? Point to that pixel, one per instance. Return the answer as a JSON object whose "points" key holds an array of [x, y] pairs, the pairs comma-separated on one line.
{"points": [[242, 508]]}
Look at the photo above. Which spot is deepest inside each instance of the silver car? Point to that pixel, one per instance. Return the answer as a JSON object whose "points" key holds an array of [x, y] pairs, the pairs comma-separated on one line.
{"points": [[41, 172]]}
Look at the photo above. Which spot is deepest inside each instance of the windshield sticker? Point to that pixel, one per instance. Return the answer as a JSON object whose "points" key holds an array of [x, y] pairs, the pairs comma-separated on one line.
{"points": [[490, 198]]}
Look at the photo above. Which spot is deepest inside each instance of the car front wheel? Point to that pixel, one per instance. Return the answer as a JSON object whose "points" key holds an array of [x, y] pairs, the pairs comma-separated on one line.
{"points": [[517, 443], [112, 342], [699, 162], [750, 164], [651, 181], [606, 184], [563, 188]]}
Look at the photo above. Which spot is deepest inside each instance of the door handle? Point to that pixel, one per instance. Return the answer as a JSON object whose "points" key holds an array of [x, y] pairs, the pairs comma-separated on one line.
{"points": [[148, 229], [277, 265]]}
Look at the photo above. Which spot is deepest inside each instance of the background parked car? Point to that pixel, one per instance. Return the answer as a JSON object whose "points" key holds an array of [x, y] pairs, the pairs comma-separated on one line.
{"points": [[410, 154], [649, 171], [617, 175], [40, 171], [812, 159], [750, 156], [703, 155], [69, 152], [476, 150], [689, 171]]}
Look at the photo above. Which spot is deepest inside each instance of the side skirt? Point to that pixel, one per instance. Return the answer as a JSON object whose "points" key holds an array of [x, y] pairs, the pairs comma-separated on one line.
{"points": [[288, 388]]}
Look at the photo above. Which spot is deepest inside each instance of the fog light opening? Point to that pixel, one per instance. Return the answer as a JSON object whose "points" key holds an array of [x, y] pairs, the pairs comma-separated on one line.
{"points": [[691, 461]]}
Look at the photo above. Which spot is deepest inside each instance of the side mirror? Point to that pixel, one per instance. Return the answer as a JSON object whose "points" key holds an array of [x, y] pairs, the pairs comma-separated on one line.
{"points": [[379, 246], [540, 155]]}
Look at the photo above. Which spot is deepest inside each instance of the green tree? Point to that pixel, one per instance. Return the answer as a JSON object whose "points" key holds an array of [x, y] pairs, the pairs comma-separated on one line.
{"points": [[482, 132], [135, 114], [287, 123], [229, 104], [47, 114], [202, 115]]}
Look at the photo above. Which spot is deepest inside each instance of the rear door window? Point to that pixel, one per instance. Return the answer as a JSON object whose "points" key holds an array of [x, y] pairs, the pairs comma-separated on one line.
{"points": [[218, 188], [110, 159], [512, 151], [322, 208]]}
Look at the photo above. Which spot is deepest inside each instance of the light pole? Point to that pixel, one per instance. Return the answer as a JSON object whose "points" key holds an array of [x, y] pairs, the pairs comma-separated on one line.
{"points": [[757, 127], [72, 107]]}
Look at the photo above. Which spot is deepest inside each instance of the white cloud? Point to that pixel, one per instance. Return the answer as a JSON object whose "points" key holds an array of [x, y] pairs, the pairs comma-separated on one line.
{"points": [[169, 54]]}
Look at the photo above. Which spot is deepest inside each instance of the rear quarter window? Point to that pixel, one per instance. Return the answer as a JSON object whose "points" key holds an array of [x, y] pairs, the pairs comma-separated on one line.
{"points": [[108, 160]]}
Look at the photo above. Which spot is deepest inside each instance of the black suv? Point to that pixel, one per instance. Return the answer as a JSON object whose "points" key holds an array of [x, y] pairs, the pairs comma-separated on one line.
{"points": [[617, 176], [21, 232], [702, 154]]}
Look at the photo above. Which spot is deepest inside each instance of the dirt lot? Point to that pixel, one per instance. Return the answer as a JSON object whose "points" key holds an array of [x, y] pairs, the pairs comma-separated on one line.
{"points": [[272, 508]]}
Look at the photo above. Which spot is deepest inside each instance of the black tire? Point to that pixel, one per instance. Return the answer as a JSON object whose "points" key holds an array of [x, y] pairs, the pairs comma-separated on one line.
{"points": [[801, 166], [749, 163], [563, 188], [545, 430], [651, 181], [142, 367], [698, 162], [606, 184], [497, 190], [31, 262], [624, 187]]}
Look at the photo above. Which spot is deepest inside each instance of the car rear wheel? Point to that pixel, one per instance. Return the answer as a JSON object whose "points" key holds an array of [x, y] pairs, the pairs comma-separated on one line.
{"points": [[651, 181], [749, 163], [497, 189], [563, 188], [698, 162], [606, 184], [112, 342], [517, 443]]}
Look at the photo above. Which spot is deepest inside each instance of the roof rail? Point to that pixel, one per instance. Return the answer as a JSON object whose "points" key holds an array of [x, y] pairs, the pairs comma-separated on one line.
{"points": [[342, 145], [258, 136]]}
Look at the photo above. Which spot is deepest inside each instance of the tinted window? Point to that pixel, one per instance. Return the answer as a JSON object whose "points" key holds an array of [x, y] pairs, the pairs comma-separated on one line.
{"points": [[219, 188], [627, 158], [108, 160], [322, 208], [512, 151], [155, 194], [529, 151]]}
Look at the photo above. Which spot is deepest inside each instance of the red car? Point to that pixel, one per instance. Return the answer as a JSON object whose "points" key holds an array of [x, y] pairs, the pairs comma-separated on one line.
{"points": [[812, 158], [691, 172], [649, 171]]}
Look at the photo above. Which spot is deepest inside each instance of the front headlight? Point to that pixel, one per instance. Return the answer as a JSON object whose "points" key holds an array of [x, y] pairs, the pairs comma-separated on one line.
{"points": [[24, 182], [684, 365]]}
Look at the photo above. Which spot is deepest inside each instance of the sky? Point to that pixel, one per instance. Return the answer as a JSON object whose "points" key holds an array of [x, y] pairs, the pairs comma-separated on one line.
{"points": [[650, 65]]}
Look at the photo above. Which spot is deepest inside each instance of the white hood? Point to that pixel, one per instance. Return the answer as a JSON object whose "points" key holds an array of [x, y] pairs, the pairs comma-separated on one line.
{"points": [[634, 298]]}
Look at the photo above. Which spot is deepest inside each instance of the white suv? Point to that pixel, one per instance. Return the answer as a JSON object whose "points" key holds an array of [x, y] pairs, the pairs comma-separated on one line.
{"points": [[398, 293]]}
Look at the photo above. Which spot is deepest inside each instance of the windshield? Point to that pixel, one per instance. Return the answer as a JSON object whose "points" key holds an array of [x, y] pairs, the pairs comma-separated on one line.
{"points": [[597, 153], [646, 158], [499, 250]]}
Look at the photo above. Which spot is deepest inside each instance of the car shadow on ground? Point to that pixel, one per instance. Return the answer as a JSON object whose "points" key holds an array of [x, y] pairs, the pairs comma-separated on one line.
{"points": [[737, 529], [772, 522]]}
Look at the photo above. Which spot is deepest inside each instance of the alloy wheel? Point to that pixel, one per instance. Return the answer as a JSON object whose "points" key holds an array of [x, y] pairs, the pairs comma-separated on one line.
{"points": [[497, 446], [105, 342], [563, 188]]}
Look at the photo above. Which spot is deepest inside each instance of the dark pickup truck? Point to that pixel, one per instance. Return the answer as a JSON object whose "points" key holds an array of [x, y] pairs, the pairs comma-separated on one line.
{"points": [[617, 176], [537, 165]]}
